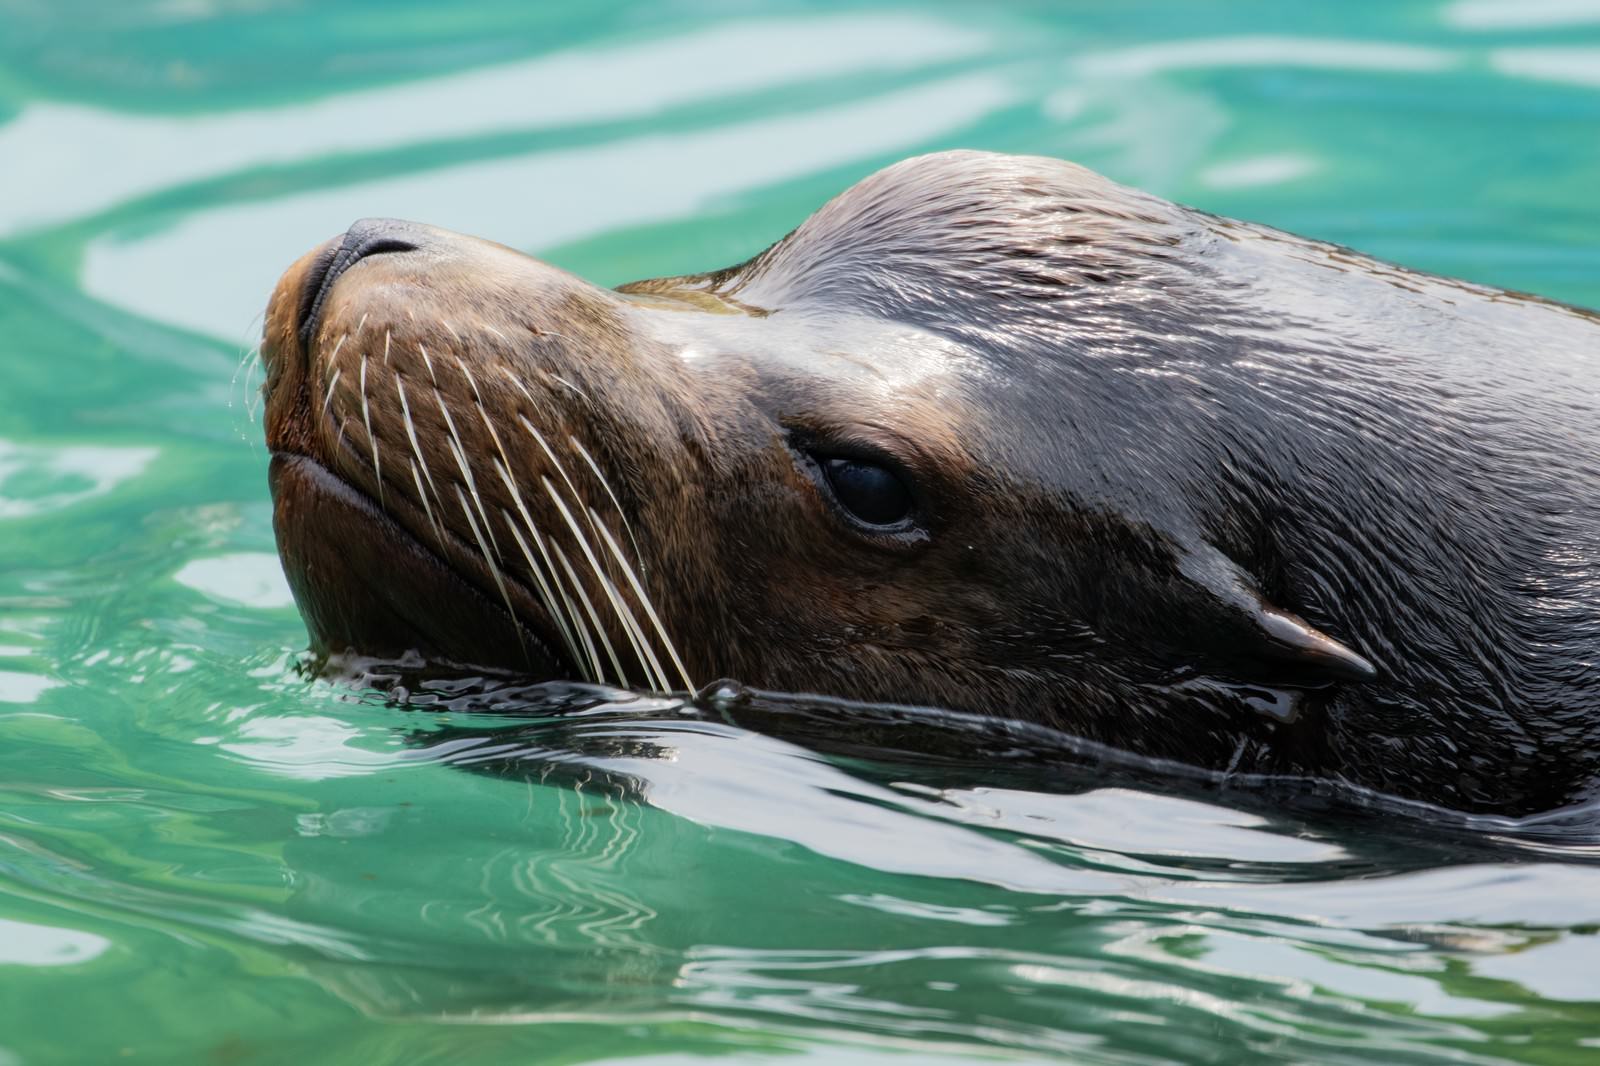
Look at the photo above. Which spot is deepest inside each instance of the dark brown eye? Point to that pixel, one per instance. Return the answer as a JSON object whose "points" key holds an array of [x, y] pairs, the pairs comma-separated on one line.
{"points": [[872, 494]]}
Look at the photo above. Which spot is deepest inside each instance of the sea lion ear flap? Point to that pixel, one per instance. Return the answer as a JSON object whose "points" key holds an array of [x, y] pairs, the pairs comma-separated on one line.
{"points": [[1267, 633]]}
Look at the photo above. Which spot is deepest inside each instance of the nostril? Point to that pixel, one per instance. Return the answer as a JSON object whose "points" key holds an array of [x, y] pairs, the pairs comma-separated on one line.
{"points": [[370, 236]]}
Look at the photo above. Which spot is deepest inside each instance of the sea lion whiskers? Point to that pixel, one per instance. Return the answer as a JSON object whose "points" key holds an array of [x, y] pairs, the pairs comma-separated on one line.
{"points": [[509, 376], [327, 401], [594, 617], [423, 496], [416, 451], [577, 497], [428, 362], [546, 595], [644, 601], [248, 363], [628, 618], [555, 460], [606, 484], [388, 338], [630, 624], [579, 626], [503, 468], [494, 570], [366, 418], [626, 567], [571, 386], [477, 399], [460, 452]]}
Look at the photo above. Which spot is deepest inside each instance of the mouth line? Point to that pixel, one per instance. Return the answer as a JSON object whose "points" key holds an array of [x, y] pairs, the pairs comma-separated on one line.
{"points": [[535, 632]]}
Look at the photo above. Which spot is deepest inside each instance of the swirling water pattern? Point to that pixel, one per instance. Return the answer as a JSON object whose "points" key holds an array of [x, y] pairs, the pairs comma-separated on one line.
{"points": [[204, 858]]}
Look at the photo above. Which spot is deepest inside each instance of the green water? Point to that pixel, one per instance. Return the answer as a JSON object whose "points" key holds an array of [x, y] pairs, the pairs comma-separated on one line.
{"points": [[204, 858]]}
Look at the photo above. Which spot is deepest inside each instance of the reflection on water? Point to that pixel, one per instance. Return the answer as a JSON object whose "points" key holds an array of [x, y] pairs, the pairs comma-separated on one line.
{"points": [[602, 188], [1111, 906], [37, 479], [233, 864], [1576, 66], [56, 149], [1519, 14]]}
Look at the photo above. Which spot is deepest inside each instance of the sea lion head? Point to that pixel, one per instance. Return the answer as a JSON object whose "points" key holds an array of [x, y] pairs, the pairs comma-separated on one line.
{"points": [[968, 437]]}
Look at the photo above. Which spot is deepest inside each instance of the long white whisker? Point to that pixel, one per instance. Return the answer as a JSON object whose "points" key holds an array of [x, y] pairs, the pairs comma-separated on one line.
{"points": [[630, 624], [635, 632], [644, 601], [428, 362], [247, 367], [459, 450], [546, 596], [509, 376], [499, 581], [422, 494], [655, 676], [555, 461], [573, 622], [637, 638], [594, 618], [366, 418], [579, 626], [416, 449], [503, 468], [494, 435], [560, 467], [587, 458], [327, 401], [571, 386], [510, 482]]}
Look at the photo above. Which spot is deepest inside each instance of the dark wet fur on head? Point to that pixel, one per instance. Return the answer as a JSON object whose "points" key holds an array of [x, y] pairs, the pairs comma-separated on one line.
{"points": [[1187, 486]]}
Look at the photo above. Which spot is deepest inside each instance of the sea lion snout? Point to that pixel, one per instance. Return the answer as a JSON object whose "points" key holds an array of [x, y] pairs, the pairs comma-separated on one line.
{"points": [[367, 237], [454, 425]]}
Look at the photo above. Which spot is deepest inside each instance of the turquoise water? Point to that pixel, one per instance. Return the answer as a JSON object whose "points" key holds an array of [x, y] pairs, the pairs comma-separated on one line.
{"points": [[206, 858]]}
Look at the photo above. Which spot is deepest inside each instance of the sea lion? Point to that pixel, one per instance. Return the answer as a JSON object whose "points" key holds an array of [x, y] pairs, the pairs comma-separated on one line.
{"points": [[986, 432]]}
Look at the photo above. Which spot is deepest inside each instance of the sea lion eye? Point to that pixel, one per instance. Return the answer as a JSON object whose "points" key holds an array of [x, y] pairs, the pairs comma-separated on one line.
{"points": [[874, 495]]}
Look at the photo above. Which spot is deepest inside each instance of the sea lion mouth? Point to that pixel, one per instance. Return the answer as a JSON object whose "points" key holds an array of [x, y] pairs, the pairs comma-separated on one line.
{"points": [[365, 585]]}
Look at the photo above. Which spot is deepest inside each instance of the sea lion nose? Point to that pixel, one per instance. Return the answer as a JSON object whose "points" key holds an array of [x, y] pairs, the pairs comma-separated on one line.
{"points": [[369, 236]]}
